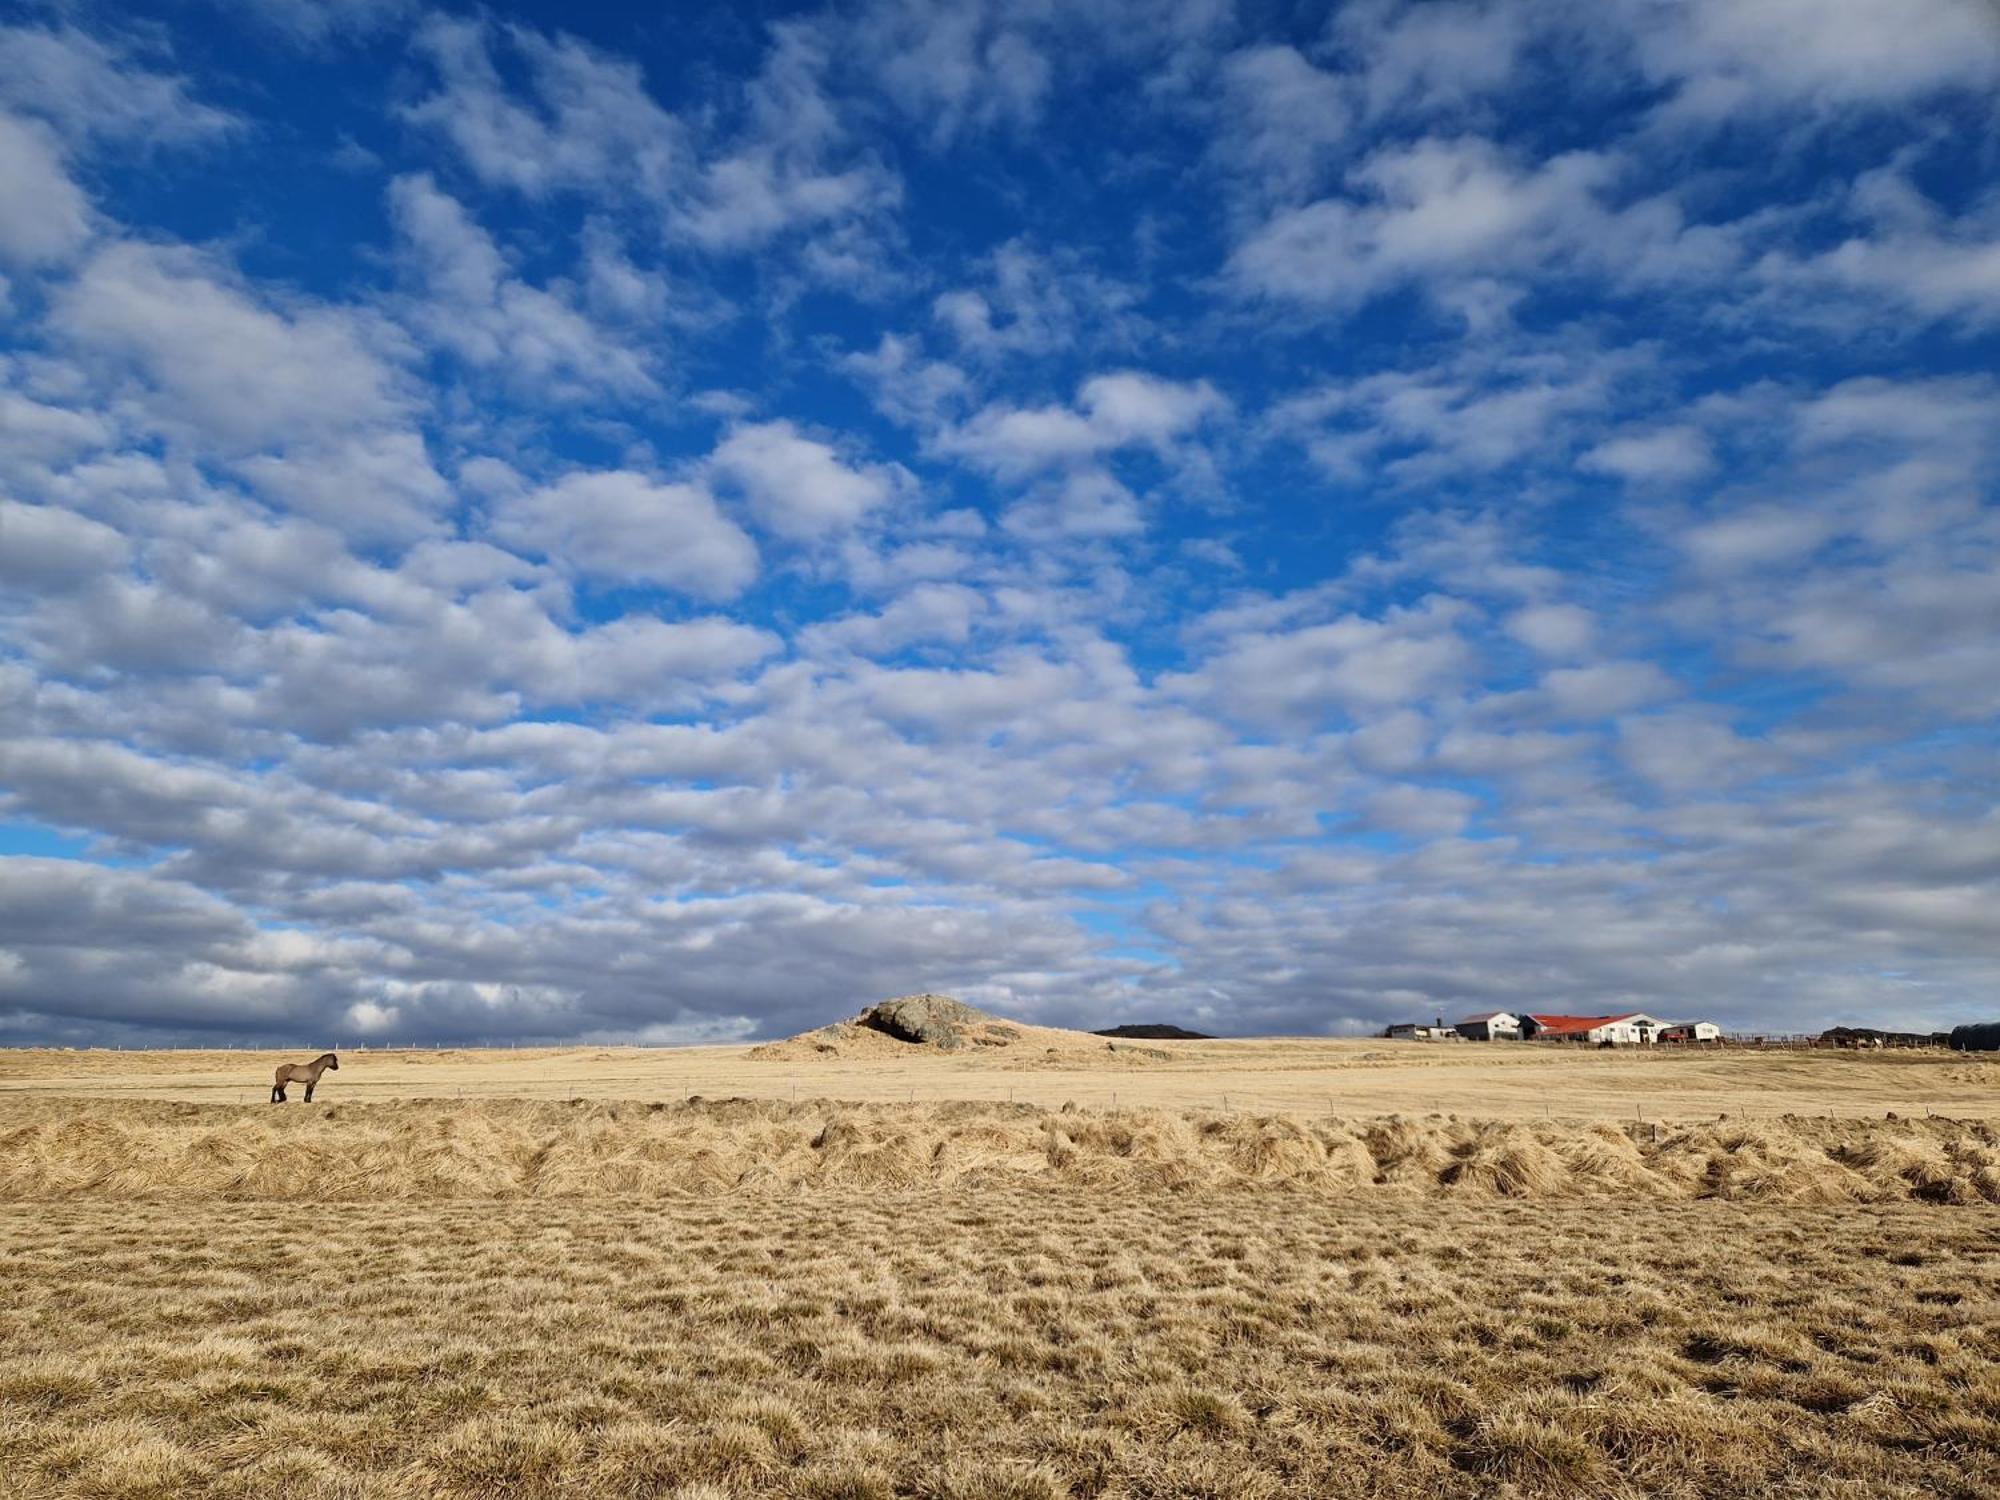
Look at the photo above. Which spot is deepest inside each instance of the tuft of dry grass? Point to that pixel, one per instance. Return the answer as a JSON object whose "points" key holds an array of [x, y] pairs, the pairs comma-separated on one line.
{"points": [[434, 1150], [1000, 1344]]}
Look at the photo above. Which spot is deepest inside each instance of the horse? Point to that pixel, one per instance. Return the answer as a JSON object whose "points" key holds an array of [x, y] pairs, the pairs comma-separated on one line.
{"points": [[306, 1073]]}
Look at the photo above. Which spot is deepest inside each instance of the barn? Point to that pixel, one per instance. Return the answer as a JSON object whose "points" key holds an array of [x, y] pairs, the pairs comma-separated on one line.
{"points": [[1628, 1028], [1491, 1026]]}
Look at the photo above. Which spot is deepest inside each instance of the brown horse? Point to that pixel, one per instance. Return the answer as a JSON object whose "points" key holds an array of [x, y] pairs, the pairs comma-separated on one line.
{"points": [[306, 1073]]}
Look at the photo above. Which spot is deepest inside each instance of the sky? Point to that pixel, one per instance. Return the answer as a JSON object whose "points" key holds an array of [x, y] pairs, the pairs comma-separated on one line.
{"points": [[550, 522]]}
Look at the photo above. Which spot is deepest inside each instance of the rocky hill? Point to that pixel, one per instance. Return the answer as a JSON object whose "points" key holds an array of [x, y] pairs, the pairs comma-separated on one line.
{"points": [[939, 1023]]}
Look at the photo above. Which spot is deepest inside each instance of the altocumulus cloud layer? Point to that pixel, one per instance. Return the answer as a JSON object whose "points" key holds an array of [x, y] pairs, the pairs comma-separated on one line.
{"points": [[546, 524]]}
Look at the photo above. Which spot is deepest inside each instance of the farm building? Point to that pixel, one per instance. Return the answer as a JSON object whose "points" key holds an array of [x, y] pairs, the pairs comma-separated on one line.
{"points": [[1691, 1031], [1631, 1027], [1490, 1026], [1412, 1031]]}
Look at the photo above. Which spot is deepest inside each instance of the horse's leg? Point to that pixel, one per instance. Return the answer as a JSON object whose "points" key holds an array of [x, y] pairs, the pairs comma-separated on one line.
{"points": [[309, 1089], [278, 1093]]}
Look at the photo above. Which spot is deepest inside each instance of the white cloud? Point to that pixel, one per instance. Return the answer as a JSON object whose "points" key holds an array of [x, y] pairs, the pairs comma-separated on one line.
{"points": [[369, 1018], [1604, 688], [909, 388], [1553, 629], [1130, 406], [585, 121], [1433, 56], [1281, 118], [87, 88], [799, 487], [1087, 504], [469, 303], [42, 547], [1353, 664], [1758, 536], [44, 216], [316, 23], [1732, 56], [307, 401], [636, 661], [623, 527], [218, 357], [780, 174], [1435, 206], [958, 66], [1117, 410], [39, 434], [1028, 302], [1664, 455], [1453, 214], [1421, 810], [1397, 741], [1416, 424], [1688, 751], [378, 483], [1938, 271], [929, 613]]}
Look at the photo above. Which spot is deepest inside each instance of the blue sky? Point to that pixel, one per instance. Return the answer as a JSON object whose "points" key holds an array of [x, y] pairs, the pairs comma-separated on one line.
{"points": [[541, 523]]}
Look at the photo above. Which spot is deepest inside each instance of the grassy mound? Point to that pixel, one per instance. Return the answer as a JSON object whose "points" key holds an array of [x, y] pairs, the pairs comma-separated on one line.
{"points": [[430, 1150]]}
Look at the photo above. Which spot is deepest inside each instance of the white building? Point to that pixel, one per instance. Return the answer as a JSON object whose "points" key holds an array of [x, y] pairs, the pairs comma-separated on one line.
{"points": [[1629, 1029], [1692, 1031], [1491, 1026]]}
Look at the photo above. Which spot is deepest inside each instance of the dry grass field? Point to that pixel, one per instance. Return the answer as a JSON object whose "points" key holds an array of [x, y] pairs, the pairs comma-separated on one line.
{"points": [[554, 1274], [432, 1151], [996, 1345], [1306, 1076]]}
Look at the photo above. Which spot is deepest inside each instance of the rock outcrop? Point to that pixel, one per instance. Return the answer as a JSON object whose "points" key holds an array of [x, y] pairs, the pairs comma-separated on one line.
{"points": [[931, 1021]]}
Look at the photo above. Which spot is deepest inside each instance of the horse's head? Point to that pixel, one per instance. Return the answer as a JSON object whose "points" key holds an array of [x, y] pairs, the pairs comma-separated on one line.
{"points": [[333, 1062]]}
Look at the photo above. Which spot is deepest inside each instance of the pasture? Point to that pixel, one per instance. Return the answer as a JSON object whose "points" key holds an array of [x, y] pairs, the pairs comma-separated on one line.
{"points": [[603, 1272], [1298, 1076], [996, 1346]]}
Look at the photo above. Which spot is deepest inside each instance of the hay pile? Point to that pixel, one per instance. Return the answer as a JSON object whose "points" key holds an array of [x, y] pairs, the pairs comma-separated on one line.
{"points": [[513, 1148], [939, 1024]]}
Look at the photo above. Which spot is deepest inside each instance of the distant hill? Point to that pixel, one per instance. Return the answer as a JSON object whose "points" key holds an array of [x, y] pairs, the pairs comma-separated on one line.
{"points": [[1155, 1033]]}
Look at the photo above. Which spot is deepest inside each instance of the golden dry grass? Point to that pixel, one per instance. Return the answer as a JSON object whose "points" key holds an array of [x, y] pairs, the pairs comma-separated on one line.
{"points": [[432, 1150], [399, 1291], [996, 1345], [1516, 1081]]}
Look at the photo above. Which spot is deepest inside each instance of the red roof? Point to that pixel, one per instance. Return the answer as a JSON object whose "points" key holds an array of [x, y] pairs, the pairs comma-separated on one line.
{"points": [[1566, 1025]]}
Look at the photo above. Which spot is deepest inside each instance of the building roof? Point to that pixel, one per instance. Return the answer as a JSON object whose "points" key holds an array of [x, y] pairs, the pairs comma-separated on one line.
{"points": [[1488, 1015], [1569, 1024]]}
